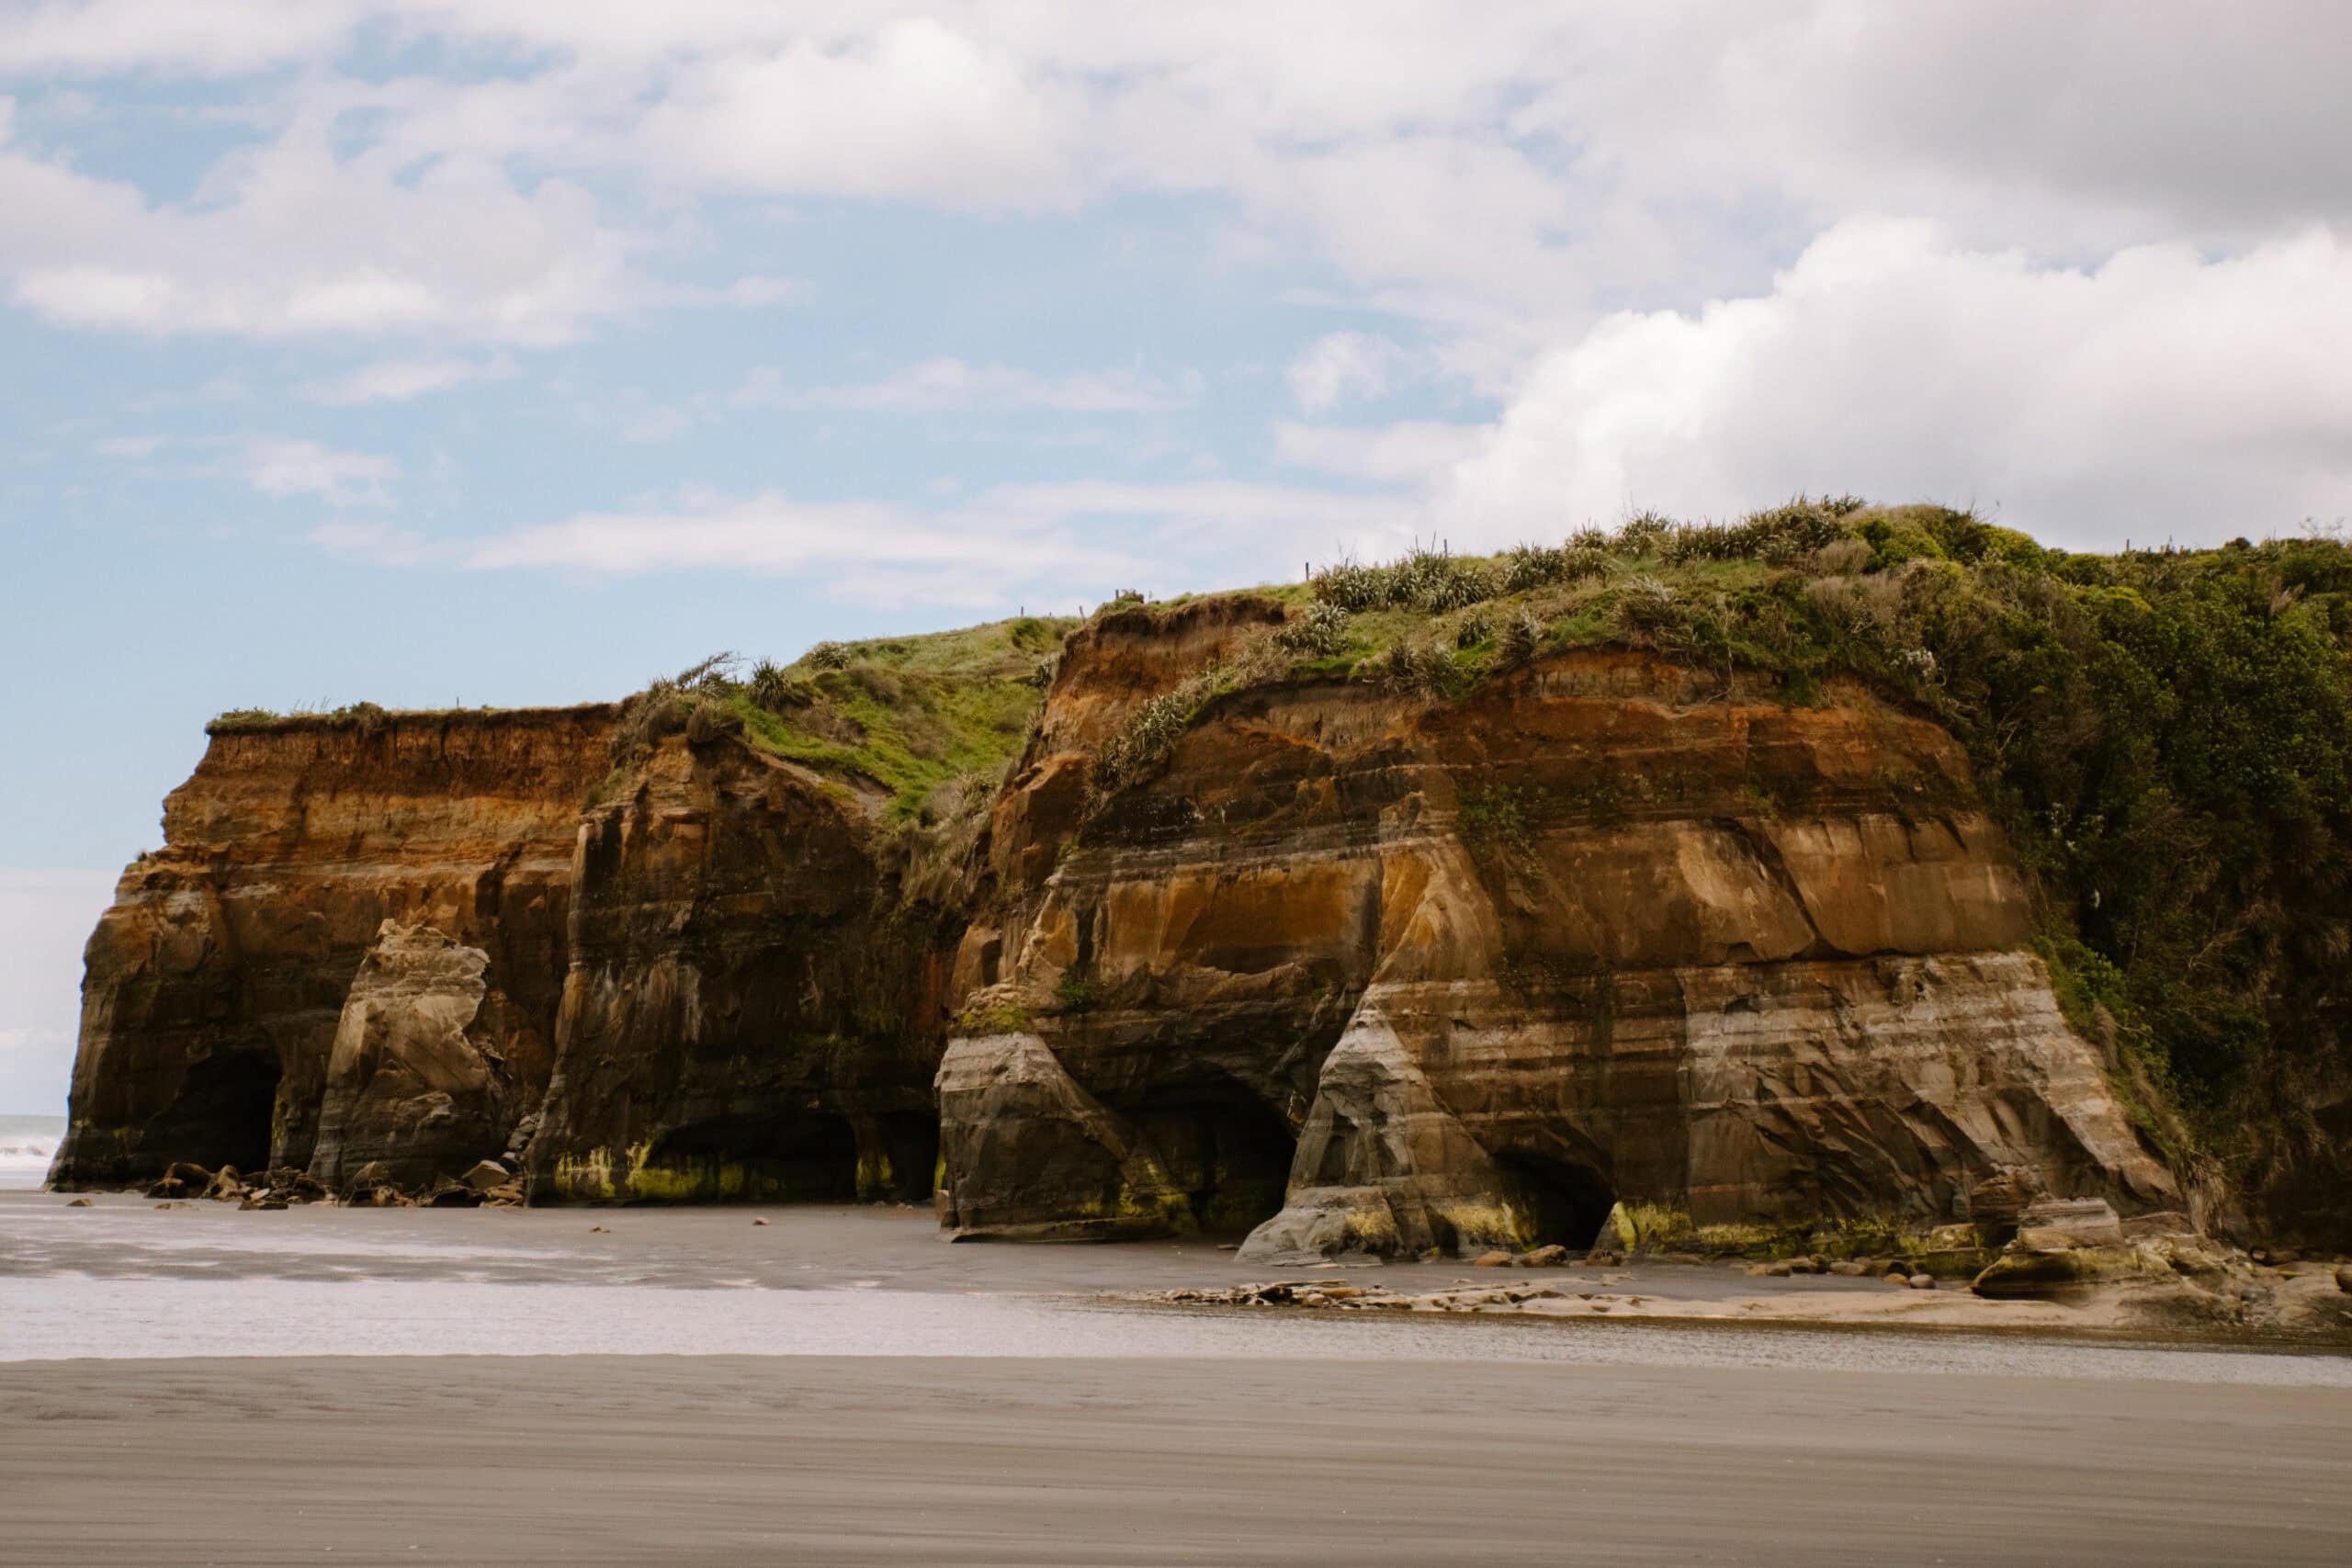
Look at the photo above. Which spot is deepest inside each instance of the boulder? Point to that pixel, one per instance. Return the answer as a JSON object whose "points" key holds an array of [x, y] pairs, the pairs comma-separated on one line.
{"points": [[1030, 1154], [1495, 1259], [2344, 1278], [2025, 1272], [1850, 1269], [1552, 1257], [485, 1175], [1921, 1281], [226, 1186], [2069, 1222]]}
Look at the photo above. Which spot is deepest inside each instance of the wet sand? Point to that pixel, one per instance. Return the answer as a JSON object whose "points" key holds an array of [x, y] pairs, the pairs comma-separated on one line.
{"points": [[728, 1460], [209, 1385]]}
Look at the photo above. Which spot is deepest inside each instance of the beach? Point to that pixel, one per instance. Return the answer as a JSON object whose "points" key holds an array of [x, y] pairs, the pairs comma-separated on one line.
{"points": [[637, 1385]]}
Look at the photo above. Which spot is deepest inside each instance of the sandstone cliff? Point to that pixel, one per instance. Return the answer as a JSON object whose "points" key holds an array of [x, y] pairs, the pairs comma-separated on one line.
{"points": [[1604, 937], [1605, 942], [215, 985]]}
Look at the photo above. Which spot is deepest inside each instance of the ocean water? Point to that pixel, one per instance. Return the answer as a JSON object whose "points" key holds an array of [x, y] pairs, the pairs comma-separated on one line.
{"points": [[123, 1277], [27, 1146]]}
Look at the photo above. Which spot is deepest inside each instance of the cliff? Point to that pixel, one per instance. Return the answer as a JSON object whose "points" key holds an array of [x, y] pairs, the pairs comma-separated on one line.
{"points": [[1606, 936], [215, 985], [1474, 903]]}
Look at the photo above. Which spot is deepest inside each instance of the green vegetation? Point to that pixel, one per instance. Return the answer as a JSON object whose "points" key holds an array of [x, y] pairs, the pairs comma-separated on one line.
{"points": [[928, 720], [2165, 735]]}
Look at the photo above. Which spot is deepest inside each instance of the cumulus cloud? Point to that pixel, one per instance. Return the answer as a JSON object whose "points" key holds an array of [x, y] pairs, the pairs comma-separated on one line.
{"points": [[2160, 392]]}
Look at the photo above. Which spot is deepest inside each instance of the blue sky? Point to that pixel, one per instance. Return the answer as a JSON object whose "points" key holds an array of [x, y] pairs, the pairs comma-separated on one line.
{"points": [[514, 351]]}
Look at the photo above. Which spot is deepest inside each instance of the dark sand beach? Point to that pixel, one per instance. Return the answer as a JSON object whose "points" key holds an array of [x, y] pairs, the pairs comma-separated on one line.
{"points": [[203, 1385], [736, 1460]]}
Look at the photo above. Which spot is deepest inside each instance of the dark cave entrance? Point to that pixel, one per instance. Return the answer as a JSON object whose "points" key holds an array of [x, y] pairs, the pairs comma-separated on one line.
{"points": [[223, 1113], [1566, 1199], [911, 1156], [781, 1157], [1227, 1151]]}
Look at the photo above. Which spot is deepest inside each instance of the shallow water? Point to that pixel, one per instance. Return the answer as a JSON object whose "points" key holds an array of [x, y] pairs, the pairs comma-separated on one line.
{"points": [[27, 1146], [122, 1278]]}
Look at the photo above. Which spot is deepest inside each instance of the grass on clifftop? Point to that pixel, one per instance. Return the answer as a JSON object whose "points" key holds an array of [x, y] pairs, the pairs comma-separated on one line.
{"points": [[2165, 735], [914, 717]]}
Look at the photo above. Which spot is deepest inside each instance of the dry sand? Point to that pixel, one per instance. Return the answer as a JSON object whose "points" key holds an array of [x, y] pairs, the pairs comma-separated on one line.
{"points": [[673, 1460]]}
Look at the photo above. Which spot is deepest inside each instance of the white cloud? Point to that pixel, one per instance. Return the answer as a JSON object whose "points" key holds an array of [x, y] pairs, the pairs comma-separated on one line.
{"points": [[282, 467], [401, 380], [1342, 366], [986, 550], [127, 446], [1410, 452], [940, 385], [2159, 393]]}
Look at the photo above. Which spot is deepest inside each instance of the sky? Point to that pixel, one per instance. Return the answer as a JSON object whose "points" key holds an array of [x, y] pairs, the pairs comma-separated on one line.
{"points": [[509, 351]]}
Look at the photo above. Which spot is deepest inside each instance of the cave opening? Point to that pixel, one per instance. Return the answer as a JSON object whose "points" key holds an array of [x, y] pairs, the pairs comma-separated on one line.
{"points": [[910, 1156], [1564, 1201], [223, 1113], [1227, 1149], [772, 1157]]}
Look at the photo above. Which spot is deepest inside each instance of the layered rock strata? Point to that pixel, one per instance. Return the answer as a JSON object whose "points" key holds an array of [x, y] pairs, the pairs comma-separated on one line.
{"points": [[215, 986], [1604, 944], [1605, 950]]}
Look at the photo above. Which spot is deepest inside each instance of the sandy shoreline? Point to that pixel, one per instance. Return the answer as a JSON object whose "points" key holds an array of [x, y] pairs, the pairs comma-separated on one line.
{"points": [[711, 1461], [903, 1401]]}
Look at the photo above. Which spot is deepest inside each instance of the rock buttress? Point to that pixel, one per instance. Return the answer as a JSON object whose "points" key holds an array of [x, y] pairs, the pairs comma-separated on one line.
{"points": [[742, 1016], [214, 985], [1602, 939]]}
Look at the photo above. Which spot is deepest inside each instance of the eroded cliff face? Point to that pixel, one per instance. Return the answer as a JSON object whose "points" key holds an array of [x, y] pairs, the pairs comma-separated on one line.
{"points": [[215, 985], [1603, 938], [1605, 943], [743, 1017]]}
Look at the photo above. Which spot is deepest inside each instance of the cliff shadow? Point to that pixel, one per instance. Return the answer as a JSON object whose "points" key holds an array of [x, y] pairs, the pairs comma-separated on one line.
{"points": [[1564, 1201], [1227, 1150], [791, 1156]]}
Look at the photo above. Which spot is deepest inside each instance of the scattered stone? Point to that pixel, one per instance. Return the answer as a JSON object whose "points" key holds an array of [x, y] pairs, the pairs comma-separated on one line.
{"points": [[1896, 1274], [507, 1197], [2344, 1278], [1779, 1269], [176, 1203], [263, 1203], [600, 1230], [80, 1204], [759, 1222], [1229, 1247], [1850, 1268], [1921, 1281], [1495, 1259]]}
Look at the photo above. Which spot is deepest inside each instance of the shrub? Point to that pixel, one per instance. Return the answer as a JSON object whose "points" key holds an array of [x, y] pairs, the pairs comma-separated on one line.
{"points": [[827, 656], [1646, 605], [1476, 628], [1533, 566], [1522, 637], [1041, 674], [1353, 586], [1321, 631], [1642, 532], [1422, 669]]}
